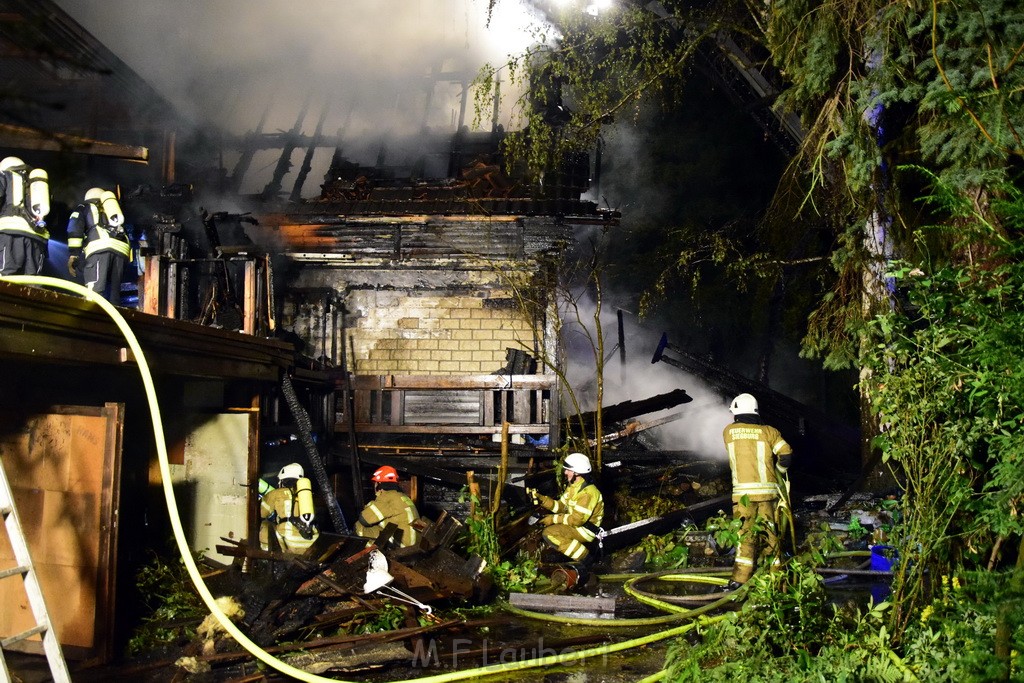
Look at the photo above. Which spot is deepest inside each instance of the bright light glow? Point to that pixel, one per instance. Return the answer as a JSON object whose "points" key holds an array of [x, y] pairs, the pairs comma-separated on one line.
{"points": [[511, 28], [598, 6]]}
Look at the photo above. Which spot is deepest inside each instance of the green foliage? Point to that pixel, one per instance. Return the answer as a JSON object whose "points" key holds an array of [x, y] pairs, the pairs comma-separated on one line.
{"points": [[856, 529], [822, 543], [725, 529], [388, 618], [788, 630], [516, 576], [954, 638], [603, 67], [481, 536], [947, 385], [668, 551], [633, 507], [174, 608]]}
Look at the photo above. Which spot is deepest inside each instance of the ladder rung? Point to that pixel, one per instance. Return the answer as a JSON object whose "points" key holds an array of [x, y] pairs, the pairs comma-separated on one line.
{"points": [[40, 628], [23, 569]]}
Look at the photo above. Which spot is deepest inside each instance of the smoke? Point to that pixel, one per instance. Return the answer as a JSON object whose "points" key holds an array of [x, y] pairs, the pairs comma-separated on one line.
{"points": [[699, 428], [224, 63]]}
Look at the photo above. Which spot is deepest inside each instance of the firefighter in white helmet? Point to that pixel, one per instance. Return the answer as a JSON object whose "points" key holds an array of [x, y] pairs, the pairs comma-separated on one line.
{"points": [[577, 514], [758, 458], [24, 204], [96, 229], [288, 511]]}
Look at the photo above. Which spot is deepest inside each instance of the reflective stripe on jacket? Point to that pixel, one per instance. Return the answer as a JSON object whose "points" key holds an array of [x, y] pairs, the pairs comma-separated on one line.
{"points": [[16, 218], [390, 507], [580, 505], [89, 227], [754, 451]]}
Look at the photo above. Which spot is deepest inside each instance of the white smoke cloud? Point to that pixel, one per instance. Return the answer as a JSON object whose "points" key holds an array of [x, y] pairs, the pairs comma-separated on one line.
{"points": [[223, 62], [699, 428]]}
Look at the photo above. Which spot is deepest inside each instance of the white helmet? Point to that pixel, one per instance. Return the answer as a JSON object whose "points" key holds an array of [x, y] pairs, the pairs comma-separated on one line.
{"points": [[577, 462], [10, 162], [94, 193], [291, 471], [744, 404]]}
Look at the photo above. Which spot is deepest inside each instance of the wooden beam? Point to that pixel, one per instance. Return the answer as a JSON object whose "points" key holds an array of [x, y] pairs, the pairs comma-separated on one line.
{"points": [[39, 325], [561, 603], [21, 137], [497, 382]]}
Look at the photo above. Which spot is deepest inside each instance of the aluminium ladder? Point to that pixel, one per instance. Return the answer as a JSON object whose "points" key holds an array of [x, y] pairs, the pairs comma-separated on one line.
{"points": [[25, 568]]}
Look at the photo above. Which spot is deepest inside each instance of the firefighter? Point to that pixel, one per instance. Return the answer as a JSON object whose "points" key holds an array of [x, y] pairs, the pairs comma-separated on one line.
{"points": [[288, 510], [577, 514], [389, 506], [758, 458], [24, 204], [96, 226]]}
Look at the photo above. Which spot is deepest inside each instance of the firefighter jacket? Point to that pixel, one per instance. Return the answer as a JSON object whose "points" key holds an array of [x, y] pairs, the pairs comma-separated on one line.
{"points": [[580, 505], [758, 456], [391, 506], [16, 197], [89, 226], [279, 507]]}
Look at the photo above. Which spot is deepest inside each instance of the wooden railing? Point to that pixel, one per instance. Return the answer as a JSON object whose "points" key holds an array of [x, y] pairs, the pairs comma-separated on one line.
{"points": [[461, 404]]}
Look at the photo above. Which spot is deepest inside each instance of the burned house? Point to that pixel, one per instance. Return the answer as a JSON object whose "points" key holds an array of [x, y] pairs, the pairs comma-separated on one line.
{"points": [[408, 315]]}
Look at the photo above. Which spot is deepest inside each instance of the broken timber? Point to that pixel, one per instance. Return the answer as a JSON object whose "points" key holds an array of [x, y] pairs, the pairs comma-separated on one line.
{"points": [[562, 603], [630, 534], [628, 409]]}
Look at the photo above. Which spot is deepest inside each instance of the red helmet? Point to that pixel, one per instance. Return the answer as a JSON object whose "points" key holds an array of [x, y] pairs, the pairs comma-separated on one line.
{"points": [[385, 473]]}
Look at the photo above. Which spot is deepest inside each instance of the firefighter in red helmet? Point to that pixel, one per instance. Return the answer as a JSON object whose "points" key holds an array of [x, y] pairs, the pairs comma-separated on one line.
{"points": [[390, 506]]}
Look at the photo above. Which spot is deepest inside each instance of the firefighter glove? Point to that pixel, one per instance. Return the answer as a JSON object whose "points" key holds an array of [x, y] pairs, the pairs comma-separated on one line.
{"points": [[73, 264], [547, 520], [533, 495]]}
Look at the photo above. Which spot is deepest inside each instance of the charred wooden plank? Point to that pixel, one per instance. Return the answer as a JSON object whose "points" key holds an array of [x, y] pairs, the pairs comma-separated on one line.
{"points": [[562, 603], [39, 325], [628, 534], [627, 409]]}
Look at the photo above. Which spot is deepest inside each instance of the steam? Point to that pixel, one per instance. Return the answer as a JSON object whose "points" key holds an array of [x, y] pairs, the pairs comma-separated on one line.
{"points": [[223, 63], [700, 427]]}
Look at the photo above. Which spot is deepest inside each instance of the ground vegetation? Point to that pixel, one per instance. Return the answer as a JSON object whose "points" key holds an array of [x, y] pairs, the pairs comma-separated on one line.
{"points": [[902, 205]]}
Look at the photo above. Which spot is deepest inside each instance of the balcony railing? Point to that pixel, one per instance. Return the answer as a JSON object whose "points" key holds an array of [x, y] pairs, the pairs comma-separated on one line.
{"points": [[460, 404]]}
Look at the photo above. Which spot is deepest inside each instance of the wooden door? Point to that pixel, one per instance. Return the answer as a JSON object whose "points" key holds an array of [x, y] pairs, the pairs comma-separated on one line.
{"points": [[64, 469]]}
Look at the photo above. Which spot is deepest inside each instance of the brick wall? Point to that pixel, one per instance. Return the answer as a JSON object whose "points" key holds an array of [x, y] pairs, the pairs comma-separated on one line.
{"points": [[435, 334]]}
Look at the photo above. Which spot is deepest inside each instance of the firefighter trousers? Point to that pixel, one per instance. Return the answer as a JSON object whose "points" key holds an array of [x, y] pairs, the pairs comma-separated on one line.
{"points": [[567, 540], [103, 273], [759, 538], [19, 254]]}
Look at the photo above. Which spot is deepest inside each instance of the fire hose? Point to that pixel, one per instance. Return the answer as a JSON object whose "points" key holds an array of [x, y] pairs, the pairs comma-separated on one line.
{"points": [[242, 639]]}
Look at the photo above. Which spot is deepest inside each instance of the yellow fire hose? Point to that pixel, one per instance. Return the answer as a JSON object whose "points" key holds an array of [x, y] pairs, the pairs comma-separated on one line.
{"points": [[254, 649], [784, 515]]}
